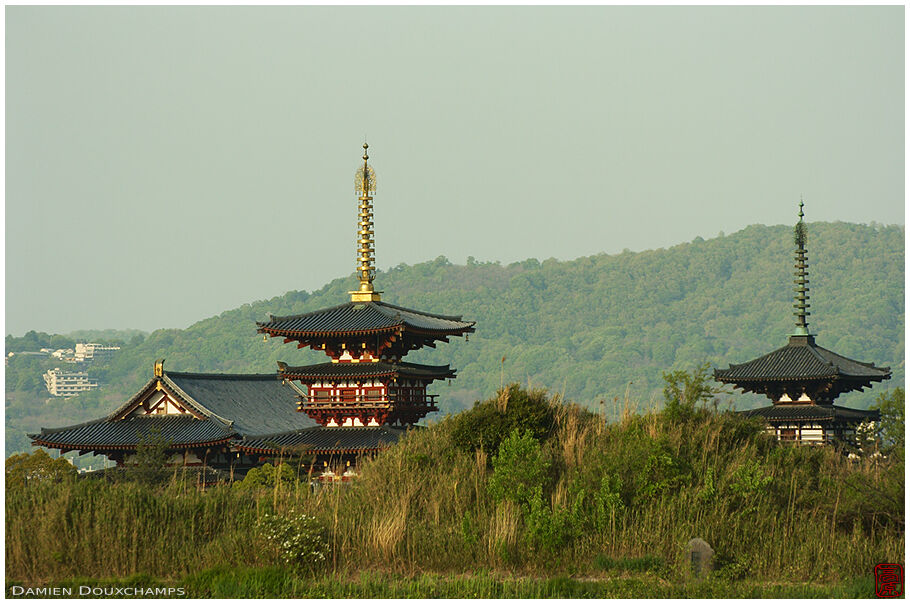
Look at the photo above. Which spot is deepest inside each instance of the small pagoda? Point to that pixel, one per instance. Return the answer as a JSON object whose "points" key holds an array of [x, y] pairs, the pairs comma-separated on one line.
{"points": [[366, 382], [803, 379]]}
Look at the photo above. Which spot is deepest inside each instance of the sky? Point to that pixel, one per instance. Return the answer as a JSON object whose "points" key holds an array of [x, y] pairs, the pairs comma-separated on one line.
{"points": [[164, 164]]}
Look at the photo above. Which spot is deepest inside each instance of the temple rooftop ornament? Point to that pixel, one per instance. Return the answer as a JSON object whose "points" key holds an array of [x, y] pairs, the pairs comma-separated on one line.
{"points": [[803, 379], [802, 276], [365, 185]]}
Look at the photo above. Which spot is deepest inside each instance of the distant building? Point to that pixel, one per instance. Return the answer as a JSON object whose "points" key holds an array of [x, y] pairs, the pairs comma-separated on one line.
{"points": [[68, 383], [90, 351]]}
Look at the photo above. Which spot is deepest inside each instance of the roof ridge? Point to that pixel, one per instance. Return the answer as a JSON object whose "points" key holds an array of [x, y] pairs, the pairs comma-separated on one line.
{"points": [[273, 318], [814, 351], [427, 314], [863, 363], [129, 403], [224, 376]]}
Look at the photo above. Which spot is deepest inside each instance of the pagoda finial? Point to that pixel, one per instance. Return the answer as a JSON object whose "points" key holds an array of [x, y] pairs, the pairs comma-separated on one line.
{"points": [[801, 300], [364, 185]]}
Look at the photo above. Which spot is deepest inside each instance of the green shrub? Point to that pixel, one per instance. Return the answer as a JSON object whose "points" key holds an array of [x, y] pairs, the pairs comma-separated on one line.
{"points": [[266, 476], [488, 423], [520, 469], [608, 502], [548, 529], [749, 483], [299, 538]]}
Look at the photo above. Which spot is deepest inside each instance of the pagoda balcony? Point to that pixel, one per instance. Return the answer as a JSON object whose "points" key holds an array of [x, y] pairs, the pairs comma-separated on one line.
{"points": [[359, 401], [367, 410]]}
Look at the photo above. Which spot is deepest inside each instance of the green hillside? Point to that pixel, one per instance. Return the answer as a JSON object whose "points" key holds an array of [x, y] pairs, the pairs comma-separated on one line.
{"points": [[594, 328]]}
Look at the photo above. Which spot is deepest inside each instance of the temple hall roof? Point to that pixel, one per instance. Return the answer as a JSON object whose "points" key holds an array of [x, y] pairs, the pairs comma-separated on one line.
{"points": [[255, 404], [220, 407], [361, 318], [179, 431]]}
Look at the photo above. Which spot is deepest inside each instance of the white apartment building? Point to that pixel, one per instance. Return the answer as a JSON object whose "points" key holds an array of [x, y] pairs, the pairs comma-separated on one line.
{"points": [[90, 351], [68, 383]]}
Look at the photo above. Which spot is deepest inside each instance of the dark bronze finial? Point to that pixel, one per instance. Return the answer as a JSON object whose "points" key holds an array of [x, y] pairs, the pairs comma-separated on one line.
{"points": [[801, 299]]}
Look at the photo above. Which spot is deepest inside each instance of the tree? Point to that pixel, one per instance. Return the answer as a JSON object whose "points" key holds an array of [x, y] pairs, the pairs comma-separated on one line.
{"points": [[151, 458], [685, 389], [891, 428], [25, 469]]}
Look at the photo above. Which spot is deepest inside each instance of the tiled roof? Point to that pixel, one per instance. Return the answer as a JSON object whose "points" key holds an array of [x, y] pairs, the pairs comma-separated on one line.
{"points": [[226, 406], [179, 431], [255, 404], [326, 440], [364, 318], [812, 412], [801, 359], [366, 370]]}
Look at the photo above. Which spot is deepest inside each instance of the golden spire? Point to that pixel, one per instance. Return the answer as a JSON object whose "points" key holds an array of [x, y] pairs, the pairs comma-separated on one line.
{"points": [[364, 185]]}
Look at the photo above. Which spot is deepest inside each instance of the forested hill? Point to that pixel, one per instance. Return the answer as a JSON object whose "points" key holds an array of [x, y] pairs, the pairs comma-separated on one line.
{"points": [[595, 326]]}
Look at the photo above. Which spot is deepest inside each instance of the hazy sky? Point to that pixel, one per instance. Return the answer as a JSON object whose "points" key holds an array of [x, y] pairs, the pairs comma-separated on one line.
{"points": [[164, 164]]}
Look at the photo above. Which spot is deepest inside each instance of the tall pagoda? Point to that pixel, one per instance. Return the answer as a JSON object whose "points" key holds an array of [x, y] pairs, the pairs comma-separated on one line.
{"points": [[366, 382], [803, 379]]}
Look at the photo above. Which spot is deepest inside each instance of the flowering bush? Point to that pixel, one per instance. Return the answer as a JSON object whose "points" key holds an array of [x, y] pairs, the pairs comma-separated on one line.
{"points": [[299, 538]]}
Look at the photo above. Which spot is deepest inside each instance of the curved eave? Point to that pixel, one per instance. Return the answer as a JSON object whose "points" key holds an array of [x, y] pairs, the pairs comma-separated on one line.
{"points": [[125, 447], [304, 450], [735, 380], [799, 412], [847, 382], [302, 376], [347, 305], [293, 334]]}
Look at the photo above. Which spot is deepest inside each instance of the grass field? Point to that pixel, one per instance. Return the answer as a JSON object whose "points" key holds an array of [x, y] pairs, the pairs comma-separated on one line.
{"points": [[525, 497]]}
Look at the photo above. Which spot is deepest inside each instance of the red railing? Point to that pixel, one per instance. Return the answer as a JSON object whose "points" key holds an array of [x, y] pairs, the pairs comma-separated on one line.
{"points": [[312, 400]]}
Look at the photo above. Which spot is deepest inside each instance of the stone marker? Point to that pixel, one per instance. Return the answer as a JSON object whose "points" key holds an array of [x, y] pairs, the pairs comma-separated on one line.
{"points": [[700, 556]]}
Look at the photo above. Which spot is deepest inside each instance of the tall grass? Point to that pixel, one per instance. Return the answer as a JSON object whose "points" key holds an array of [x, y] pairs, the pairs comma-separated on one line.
{"points": [[771, 513]]}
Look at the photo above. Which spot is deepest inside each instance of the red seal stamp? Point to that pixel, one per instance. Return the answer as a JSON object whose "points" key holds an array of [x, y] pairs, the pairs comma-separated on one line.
{"points": [[889, 580]]}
